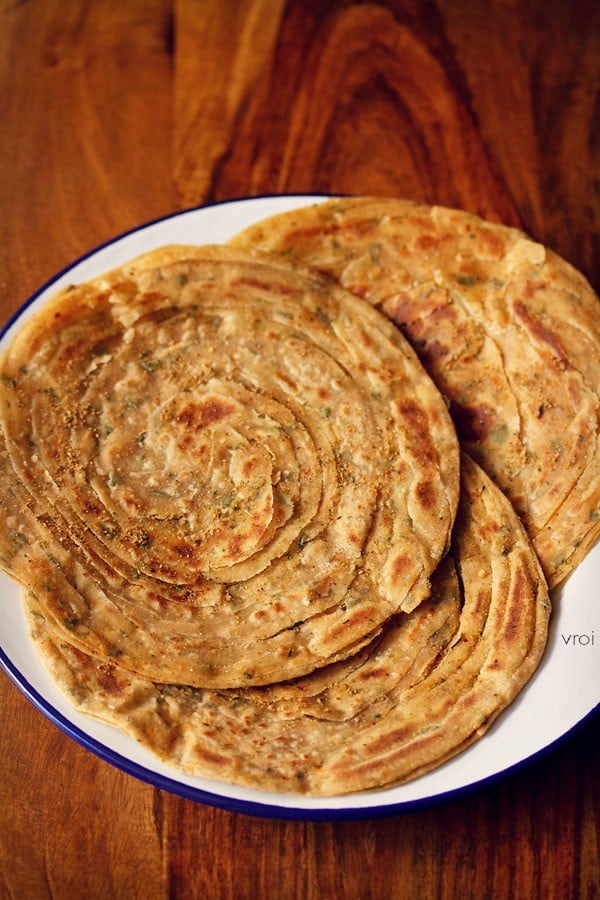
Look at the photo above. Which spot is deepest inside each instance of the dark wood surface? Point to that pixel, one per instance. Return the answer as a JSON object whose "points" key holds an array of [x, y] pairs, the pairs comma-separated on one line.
{"points": [[118, 111]]}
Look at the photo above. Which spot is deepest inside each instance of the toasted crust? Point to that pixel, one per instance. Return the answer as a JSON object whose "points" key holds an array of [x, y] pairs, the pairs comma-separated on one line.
{"points": [[509, 332], [430, 685], [220, 469]]}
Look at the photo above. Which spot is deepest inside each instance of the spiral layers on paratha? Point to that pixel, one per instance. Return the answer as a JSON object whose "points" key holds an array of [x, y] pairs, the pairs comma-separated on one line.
{"points": [[220, 470], [426, 688], [509, 332]]}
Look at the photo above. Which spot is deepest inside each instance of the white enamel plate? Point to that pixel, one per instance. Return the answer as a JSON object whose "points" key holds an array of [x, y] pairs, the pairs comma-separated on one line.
{"points": [[564, 691]]}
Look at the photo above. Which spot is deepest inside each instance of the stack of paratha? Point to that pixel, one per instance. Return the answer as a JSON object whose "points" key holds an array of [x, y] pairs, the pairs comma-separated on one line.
{"points": [[236, 502]]}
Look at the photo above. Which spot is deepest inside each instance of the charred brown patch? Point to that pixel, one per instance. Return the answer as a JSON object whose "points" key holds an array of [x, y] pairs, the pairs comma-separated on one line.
{"points": [[105, 676], [390, 740], [426, 242], [73, 351], [373, 674], [419, 427], [400, 566], [199, 415], [539, 331], [521, 590], [426, 494], [185, 551], [278, 287]]}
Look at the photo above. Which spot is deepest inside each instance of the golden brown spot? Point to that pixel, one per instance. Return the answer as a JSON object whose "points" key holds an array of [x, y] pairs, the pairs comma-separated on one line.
{"points": [[492, 242], [286, 380], [209, 756], [235, 545], [360, 617], [360, 289], [123, 288], [259, 614], [518, 601], [152, 297], [361, 228], [248, 465], [389, 740], [417, 420], [427, 242], [367, 339], [373, 674], [426, 494], [488, 530], [400, 566]]}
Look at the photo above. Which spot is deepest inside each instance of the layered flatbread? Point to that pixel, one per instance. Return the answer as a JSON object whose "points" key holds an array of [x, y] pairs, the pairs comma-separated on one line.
{"points": [[509, 332], [428, 686], [220, 470]]}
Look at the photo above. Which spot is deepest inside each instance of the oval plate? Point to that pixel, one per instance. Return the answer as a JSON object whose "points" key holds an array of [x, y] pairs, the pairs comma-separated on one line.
{"points": [[564, 690]]}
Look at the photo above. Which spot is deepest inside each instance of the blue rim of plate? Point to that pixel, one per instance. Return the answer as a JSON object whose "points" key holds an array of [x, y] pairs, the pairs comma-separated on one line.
{"points": [[264, 810], [198, 794]]}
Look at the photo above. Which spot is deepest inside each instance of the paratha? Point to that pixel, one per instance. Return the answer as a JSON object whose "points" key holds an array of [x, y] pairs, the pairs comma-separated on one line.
{"points": [[220, 469], [509, 332], [425, 689]]}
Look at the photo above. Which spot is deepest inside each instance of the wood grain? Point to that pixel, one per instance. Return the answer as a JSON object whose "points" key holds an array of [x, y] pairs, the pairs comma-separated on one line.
{"points": [[114, 113]]}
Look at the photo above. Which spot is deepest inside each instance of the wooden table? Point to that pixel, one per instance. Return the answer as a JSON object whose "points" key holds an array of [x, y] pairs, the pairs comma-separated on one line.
{"points": [[119, 111]]}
